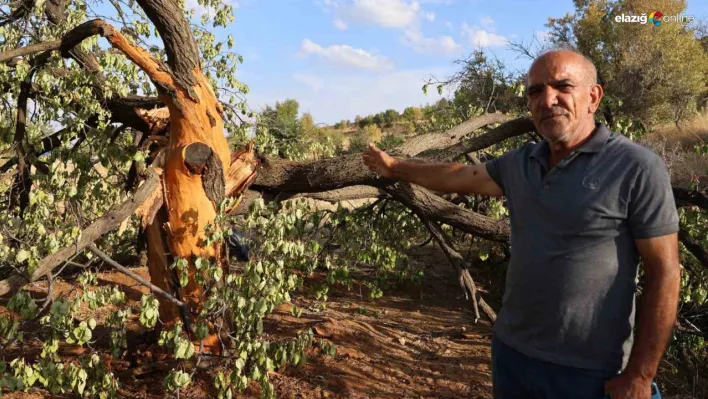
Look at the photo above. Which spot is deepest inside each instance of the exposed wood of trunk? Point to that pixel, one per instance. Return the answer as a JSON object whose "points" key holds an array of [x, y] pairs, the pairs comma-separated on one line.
{"points": [[110, 220]]}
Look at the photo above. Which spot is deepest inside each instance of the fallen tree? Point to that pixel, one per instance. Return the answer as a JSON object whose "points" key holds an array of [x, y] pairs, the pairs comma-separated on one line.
{"points": [[184, 177]]}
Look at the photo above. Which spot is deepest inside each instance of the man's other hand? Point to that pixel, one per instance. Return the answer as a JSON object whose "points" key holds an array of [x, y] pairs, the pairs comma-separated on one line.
{"points": [[378, 161], [628, 386]]}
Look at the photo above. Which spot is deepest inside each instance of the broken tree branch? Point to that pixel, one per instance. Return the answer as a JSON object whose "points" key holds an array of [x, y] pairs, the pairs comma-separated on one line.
{"points": [[138, 55], [23, 182], [437, 209], [110, 220], [457, 262], [507, 130], [686, 197], [29, 50], [693, 246], [438, 141], [334, 173]]}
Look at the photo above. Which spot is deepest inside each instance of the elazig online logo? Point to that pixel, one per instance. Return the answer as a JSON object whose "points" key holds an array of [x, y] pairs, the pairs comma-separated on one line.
{"points": [[655, 17]]}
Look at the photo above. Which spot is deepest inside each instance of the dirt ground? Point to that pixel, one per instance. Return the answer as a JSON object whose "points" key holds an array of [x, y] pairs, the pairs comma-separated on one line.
{"points": [[418, 341]]}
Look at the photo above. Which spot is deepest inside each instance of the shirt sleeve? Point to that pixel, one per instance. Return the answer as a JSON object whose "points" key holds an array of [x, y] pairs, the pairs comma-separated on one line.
{"points": [[499, 168], [652, 209]]}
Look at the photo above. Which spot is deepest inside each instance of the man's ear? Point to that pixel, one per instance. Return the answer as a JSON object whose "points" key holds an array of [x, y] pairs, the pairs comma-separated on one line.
{"points": [[596, 93]]}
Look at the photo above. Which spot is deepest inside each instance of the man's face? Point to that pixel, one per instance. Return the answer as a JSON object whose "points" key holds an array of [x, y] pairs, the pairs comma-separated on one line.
{"points": [[561, 95]]}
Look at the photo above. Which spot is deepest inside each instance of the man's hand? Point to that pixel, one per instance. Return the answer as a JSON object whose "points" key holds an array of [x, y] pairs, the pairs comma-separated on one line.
{"points": [[378, 161], [628, 386]]}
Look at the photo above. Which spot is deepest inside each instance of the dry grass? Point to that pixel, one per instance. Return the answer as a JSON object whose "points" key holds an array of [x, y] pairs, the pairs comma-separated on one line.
{"points": [[687, 134], [675, 145]]}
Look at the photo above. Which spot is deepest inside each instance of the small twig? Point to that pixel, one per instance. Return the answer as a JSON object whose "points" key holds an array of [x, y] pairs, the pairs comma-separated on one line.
{"points": [[50, 293], [186, 313]]}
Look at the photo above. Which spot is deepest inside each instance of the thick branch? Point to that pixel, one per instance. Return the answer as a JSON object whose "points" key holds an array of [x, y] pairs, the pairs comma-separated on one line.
{"points": [[125, 110], [686, 197], [434, 208], [693, 246], [342, 194], [136, 54], [333, 173], [438, 141], [110, 220], [510, 129], [180, 46], [55, 11], [23, 180], [29, 50]]}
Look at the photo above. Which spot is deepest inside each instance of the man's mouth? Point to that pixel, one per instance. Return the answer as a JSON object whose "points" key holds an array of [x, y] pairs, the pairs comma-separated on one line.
{"points": [[552, 117]]}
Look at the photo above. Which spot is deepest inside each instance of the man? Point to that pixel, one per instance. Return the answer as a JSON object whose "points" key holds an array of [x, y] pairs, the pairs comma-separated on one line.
{"points": [[586, 204]]}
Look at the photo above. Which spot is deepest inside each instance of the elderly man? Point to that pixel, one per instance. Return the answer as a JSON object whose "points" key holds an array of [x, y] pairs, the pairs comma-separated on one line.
{"points": [[586, 205]]}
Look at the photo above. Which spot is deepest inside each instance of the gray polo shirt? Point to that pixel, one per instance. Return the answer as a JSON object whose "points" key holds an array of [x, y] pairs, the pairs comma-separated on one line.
{"points": [[570, 286]]}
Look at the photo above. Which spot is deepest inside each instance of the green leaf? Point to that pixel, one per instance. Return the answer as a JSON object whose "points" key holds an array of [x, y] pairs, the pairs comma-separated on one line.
{"points": [[21, 256]]}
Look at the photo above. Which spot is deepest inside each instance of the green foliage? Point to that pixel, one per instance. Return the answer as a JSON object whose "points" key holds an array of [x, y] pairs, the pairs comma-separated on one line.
{"points": [[482, 85], [279, 132], [639, 82], [149, 310], [391, 141]]}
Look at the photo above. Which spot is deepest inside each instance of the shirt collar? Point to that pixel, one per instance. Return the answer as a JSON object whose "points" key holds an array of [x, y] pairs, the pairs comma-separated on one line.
{"points": [[593, 145]]}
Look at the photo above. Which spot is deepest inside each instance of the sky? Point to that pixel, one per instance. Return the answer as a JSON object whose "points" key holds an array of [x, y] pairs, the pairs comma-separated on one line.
{"points": [[342, 58]]}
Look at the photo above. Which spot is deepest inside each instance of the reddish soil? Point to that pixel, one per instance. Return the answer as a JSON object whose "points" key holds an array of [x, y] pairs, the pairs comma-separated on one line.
{"points": [[418, 341]]}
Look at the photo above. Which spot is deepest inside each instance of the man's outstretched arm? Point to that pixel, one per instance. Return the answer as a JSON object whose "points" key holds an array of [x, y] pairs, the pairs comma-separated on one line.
{"points": [[445, 177], [656, 315]]}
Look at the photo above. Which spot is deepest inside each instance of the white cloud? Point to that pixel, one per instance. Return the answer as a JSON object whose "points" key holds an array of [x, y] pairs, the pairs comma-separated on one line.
{"points": [[339, 24], [449, 25], [343, 96], [347, 56], [488, 23], [405, 15], [443, 45], [314, 82], [386, 13], [482, 38]]}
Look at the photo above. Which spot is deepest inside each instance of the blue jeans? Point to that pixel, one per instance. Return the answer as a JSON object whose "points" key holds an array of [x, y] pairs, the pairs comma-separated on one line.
{"points": [[517, 376]]}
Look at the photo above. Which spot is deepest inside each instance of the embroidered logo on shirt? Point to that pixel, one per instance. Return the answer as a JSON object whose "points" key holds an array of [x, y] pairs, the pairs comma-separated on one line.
{"points": [[591, 182]]}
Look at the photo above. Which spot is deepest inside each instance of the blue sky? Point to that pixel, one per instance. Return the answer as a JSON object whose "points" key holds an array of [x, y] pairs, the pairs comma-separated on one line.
{"points": [[342, 58]]}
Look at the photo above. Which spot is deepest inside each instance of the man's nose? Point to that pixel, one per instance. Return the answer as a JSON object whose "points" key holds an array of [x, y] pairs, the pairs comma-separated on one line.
{"points": [[549, 97]]}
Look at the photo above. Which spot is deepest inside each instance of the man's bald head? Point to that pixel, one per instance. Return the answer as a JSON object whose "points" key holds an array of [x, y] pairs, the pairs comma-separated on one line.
{"points": [[569, 54], [563, 95]]}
